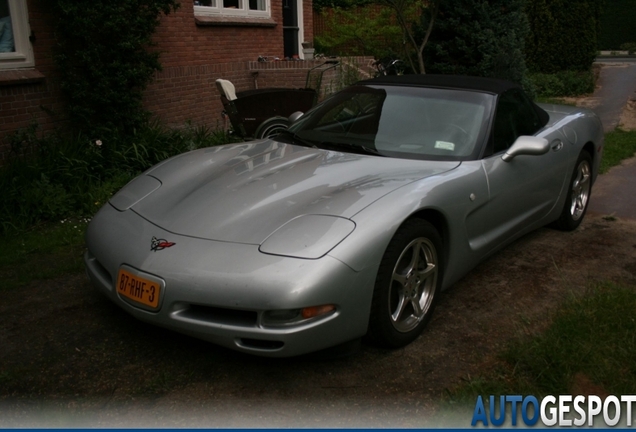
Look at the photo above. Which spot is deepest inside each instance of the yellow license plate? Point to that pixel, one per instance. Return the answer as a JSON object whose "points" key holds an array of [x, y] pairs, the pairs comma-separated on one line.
{"points": [[139, 289]]}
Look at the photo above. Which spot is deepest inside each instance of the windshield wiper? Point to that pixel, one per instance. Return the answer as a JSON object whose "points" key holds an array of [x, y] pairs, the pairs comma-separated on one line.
{"points": [[355, 148], [328, 145], [295, 139]]}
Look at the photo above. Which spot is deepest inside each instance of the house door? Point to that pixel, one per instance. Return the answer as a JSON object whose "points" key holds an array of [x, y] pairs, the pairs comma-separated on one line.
{"points": [[290, 28]]}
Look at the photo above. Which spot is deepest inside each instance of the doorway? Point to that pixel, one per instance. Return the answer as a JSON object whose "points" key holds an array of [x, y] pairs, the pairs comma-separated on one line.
{"points": [[290, 28]]}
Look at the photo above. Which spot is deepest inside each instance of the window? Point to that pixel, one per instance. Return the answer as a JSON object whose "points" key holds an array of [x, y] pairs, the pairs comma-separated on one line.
{"points": [[246, 8], [515, 117], [15, 47], [401, 122]]}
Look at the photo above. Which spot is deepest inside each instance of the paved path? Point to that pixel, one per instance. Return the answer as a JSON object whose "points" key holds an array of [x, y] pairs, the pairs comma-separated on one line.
{"points": [[617, 83], [614, 193]]}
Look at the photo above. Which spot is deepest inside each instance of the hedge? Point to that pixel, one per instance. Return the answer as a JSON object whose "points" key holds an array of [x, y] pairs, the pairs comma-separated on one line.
{"points": [[564, 34], [618, 24]]}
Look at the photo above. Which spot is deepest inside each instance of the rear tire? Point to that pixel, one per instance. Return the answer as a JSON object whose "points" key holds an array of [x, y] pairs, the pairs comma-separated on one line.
{"points": [[579, 191], [272, 127], [407, 285]]}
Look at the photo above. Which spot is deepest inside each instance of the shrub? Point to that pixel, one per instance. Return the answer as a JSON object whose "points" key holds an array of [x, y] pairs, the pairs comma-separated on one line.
{"points": [[103, 57], [475, 37], [564, 83], [630, 47], [59, 176], [563, 34]]}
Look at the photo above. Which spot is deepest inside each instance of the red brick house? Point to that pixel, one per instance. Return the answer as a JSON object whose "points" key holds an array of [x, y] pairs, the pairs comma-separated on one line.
{"points": [[202, 41]]}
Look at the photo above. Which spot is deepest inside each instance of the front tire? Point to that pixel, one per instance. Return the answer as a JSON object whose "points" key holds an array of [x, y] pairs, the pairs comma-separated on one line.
{"points": [[407, 285], [578, 196]]}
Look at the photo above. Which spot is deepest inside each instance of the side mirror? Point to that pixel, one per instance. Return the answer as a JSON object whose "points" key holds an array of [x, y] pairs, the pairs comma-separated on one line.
{"points": [[295, 116], [526, 145]]}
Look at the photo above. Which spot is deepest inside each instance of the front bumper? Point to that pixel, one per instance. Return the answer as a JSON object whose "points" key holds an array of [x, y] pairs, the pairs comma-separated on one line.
{"points": [[220, 291]]}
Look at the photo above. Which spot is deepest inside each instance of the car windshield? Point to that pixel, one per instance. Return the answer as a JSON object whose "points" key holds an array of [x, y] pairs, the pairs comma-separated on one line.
{"points": [[397, 121]]}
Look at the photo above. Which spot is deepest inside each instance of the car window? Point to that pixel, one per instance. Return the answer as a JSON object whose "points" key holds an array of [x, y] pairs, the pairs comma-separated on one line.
{"points": [[400, 121], [431, 125], [515, 116], [358, 110]]}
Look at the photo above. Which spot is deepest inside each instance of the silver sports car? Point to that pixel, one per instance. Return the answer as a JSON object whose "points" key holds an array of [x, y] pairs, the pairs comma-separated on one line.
{"points": [[350, 223]]}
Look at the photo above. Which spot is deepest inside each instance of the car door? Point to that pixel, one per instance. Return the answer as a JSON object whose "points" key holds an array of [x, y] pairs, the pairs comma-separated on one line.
{"points": [[524, 190]]}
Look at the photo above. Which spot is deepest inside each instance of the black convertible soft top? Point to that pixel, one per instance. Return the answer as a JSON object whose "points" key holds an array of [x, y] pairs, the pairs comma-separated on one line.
{"points": [[488, 85], [460, 82]]}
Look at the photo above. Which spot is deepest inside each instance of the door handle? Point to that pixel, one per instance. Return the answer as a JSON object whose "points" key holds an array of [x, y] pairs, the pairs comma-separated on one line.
{"points": [[557, 145]]}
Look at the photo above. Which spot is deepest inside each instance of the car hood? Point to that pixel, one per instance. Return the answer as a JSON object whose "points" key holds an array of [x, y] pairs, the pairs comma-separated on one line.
{"points": [[244, 192]]}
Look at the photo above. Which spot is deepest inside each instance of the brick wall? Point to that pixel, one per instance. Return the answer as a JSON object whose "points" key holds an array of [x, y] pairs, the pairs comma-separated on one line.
{"points": [[182, 41], [181, 94], [308, 20], [28, 96], [193, 54]]}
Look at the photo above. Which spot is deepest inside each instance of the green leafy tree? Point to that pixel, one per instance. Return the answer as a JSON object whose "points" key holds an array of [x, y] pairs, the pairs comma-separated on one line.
{"points": [[617, 24], [384, 28], [105, 59], [478, 37], [360, 31], [321, 5], [564, 34], [407, 13]]}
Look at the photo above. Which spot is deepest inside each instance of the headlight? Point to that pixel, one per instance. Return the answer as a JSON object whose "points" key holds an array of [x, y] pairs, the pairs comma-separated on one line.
{"points": [[138, 188], [308, 236]]}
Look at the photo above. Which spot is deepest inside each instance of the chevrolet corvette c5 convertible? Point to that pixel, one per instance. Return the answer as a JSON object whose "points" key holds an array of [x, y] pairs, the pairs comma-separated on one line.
{"points": [[350, 223]]}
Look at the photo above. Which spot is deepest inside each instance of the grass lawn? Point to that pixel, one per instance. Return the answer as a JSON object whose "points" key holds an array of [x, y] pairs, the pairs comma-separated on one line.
{"points": [[590, 339], [43, 252], [619, 145]]}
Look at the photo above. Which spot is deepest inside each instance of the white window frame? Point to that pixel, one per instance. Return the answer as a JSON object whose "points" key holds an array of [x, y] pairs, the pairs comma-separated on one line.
{"points": [[22, 57], [242, 11]]}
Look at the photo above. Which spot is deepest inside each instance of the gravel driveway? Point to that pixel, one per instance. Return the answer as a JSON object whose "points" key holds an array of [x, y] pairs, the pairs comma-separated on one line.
{"points": [[71, 358]]}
